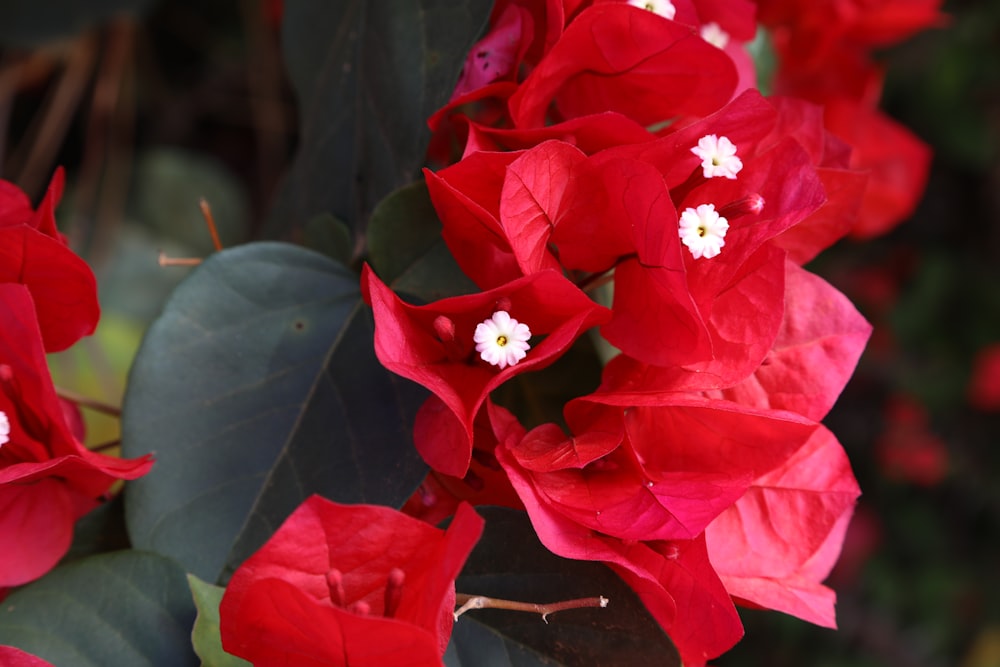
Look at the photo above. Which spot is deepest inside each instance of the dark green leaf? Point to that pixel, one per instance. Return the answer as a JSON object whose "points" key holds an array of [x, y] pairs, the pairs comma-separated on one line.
{"points": [[406, 248], [205, 636], [100, 531], [31, 22], [257, 387], [474, 644], [329, 236], [622, 634], [368, 75], [124, 609]]}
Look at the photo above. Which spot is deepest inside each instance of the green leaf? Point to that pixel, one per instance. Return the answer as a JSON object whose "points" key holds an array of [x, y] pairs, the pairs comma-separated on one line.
{"points": [[329, 236], [257, 387], [368, 75], [32, 22], [623, 633], [205, 636], [406, 248], [100, 531], [474, 644], [124, 609]]}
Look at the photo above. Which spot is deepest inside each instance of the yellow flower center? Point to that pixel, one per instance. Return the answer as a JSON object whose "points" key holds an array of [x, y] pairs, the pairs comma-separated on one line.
{"points": [[501, 340]]}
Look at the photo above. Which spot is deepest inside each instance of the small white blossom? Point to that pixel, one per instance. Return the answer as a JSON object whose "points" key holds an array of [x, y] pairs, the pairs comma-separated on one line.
{"points": [[703, 231], [713, 33], [4, 428], [664, 8], [718, 156], [502, 340]]}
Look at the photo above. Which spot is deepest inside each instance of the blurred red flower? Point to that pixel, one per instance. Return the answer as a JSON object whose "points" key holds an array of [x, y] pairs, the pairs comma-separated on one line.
{"points": [[907, 449], [984, 388]]}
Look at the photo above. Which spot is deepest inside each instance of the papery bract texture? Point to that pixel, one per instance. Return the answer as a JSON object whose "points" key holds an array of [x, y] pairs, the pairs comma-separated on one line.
{"points": [[815, 353], [348, 586], [674, 579], [775, 546], [48, 479], [433, 346], [617, 58]]}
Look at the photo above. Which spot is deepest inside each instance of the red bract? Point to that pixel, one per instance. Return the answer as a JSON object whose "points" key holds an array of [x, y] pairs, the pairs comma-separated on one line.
{"points": [[775, 546], [34, 254], [636, 487], [48, 479], [348, 586], [674, 579], [898, 160], [613, 57], [817, 348], [433, 346], [13, 657], [658, 471]]}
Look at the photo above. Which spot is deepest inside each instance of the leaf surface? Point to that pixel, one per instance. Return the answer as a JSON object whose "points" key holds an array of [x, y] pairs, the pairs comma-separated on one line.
{"points": [[368, 75], [123, 609], [257, 387]]}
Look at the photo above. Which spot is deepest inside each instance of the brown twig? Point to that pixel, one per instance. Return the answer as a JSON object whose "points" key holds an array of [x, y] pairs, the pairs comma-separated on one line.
{"points": [[468, 602], [106, 445], [206, 212], [177, 261], [87, 402]]}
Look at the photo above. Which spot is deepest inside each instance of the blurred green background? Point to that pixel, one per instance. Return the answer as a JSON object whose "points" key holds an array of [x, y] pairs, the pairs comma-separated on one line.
{"points": [[152, 106]]}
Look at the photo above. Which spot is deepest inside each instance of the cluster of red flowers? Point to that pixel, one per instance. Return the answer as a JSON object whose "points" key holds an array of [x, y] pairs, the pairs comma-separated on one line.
{"points": [[48, 479], [602, 141]]}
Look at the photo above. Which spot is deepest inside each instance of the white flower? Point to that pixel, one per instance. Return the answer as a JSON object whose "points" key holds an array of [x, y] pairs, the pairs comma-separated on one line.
{"points": [[703, 231], [713, 33], [718, 156], [664, 8], [502, 340], [4, 428]]}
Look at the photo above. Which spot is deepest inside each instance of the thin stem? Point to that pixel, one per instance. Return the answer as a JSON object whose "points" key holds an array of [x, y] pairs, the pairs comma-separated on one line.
{"points": [[206, 211], [106, 445], [595, 280], [468, 602], [86, 402], [178, 261]]}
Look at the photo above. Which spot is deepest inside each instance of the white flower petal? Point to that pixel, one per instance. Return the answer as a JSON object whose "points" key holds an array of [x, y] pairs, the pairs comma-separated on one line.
{"points": [[501, 340]]}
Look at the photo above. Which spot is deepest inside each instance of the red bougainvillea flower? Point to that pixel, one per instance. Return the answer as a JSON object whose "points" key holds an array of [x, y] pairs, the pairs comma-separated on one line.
{"points": [[674, 578], [656, 471], [348, 586], [33, 253], [48, 479], [434, 345], [815, 353], [899, 163], [613, 57], [776, 545], [13, 657], [818, 344]]}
